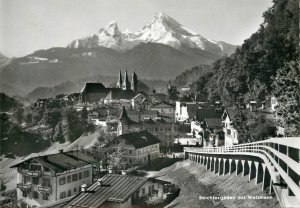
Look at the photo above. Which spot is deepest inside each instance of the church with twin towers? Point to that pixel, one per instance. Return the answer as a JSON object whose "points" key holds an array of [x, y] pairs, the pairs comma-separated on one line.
{"points": [[126, 84]]}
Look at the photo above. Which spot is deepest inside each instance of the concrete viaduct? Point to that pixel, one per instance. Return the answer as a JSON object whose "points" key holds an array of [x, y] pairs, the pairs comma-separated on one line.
{"points": [[273, 163]]}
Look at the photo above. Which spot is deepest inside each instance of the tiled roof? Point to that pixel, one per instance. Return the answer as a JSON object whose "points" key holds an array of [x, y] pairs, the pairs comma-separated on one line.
{"points": [[204, 113], [214, 123], [192, 109], [140, 139], [232, 113], [62, 161], [114, 188]]}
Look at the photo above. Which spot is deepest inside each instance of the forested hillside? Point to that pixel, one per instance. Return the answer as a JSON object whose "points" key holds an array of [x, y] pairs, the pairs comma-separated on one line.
{"points": [[266, 64], [191, 75]]}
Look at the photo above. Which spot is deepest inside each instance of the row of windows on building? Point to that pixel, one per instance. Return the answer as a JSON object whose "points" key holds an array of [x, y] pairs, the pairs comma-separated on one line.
{"points": [[157, 128], [148, 149], [36, 180], [74, 177], [36, 195], [65, 194]]}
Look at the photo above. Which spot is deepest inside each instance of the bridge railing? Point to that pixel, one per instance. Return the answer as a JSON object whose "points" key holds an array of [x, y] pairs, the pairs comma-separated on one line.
{"points": [[283, 154]]}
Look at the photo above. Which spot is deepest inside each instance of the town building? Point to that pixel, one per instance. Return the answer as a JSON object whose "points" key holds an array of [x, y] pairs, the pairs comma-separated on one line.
{"points": [[230, 132], [141, 102], [136, 147], [158, 97], [165, 109], [188, 110], [159, 126], [97, 92], [124, 191], [49, 178]]}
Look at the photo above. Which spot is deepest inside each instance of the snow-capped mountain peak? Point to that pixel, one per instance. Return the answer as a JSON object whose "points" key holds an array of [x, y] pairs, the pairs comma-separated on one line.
{"points": [[160, 29]]}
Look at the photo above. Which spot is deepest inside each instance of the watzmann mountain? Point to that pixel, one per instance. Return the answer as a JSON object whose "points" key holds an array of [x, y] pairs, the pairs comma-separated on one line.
{"points": [[162, 49], [160, 29]]}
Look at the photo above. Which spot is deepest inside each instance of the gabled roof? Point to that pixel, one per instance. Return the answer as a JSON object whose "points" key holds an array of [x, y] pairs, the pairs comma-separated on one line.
{"points": [[93, 87], [61, 161], [114, 188], [140, 139], [232, 113]]}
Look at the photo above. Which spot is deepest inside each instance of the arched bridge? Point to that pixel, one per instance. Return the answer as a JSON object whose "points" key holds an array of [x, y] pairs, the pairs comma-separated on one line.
{"points": [[275, 163]]}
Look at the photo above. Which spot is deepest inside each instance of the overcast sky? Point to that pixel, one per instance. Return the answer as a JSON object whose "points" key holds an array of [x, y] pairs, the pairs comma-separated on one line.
{"points": [[29, 25]]}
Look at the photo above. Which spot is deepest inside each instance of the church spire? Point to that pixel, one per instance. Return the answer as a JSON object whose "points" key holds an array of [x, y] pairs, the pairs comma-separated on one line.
{"points": [[126, 83], [123, 115], [120, 81], [134, 82]]}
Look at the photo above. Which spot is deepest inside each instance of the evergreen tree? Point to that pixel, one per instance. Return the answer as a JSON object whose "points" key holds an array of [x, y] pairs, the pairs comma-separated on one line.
{"points": [[58, 135], [84, 113]]}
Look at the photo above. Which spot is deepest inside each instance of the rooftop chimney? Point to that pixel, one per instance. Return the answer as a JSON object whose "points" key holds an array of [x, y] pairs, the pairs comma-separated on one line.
{"points": [[83, 187], [99, 182]]}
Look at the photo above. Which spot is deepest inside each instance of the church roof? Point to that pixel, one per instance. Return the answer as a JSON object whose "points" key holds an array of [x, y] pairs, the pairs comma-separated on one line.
{"points": [[93, 87], [119, 94]]}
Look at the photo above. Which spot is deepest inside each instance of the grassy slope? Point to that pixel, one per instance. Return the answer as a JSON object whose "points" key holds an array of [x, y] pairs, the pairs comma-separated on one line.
{"points": [[195, 181]]}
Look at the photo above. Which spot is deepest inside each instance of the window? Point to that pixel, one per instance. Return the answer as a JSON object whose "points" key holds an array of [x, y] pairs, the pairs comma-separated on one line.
{"points": [[35, 195], [130, 152], [80, 176], [35, 180], [86, 173], [46, 181], [62, 195], [75, 190], [130, 160], [228, 132], [62, 181], [69, 193], [25, 179], [75, 177], [46, 196], [69, 179], [143, 191]]}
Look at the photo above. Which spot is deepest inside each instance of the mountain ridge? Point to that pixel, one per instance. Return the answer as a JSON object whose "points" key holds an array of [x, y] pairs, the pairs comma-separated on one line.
{"points": [[160, 29]]}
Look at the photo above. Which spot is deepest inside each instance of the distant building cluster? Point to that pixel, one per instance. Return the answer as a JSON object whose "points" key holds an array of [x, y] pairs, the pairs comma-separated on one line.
{"points": [[143, 127]]}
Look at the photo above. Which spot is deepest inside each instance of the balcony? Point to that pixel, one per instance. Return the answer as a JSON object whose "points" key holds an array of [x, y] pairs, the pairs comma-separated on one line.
{"points": [[24, 186], [44, 189], [34, 173]]}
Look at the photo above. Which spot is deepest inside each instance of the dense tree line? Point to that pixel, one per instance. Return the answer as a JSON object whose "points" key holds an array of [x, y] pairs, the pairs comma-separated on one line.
{"points": [[266, 64], [8, 103]]}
